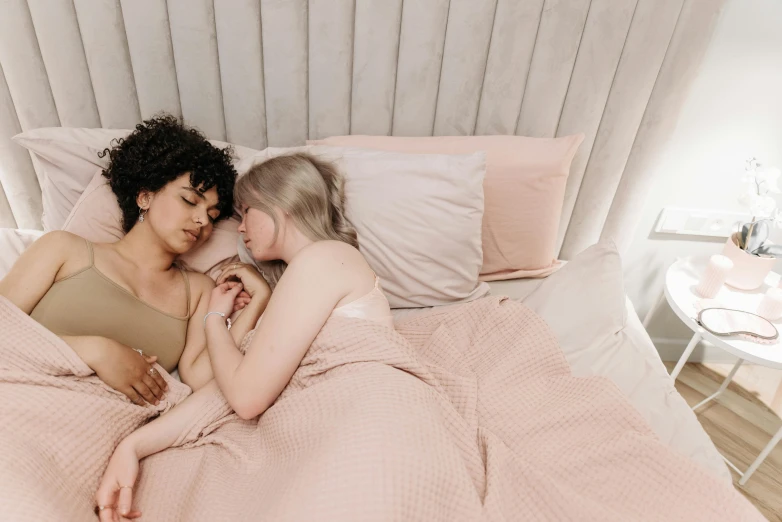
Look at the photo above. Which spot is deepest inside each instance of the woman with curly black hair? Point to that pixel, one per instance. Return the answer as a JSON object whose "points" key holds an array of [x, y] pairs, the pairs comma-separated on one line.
{"points": [[126, 305]]}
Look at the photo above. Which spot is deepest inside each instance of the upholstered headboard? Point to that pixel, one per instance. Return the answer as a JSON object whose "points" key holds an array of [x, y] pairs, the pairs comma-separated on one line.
{"points": [[276, 72]]}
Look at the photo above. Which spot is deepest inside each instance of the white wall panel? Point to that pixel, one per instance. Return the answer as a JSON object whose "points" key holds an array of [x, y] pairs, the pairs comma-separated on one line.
{"points": [[238, 25], [59, 38], [106, 48], [285, 71], [152, 56], [330, 51], [375, 52], [194, 40]]}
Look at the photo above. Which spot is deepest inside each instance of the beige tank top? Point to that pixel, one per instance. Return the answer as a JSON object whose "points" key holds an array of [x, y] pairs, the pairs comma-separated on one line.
{"points": [[89, 303]]}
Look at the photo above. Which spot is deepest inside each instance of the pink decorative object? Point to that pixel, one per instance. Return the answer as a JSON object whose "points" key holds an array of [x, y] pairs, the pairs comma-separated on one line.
{"points": [[748, 271], [770, 306], [714, 276]]}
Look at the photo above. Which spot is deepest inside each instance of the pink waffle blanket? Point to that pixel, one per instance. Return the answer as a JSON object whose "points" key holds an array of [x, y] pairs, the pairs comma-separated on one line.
{"points": [[468, 413]]}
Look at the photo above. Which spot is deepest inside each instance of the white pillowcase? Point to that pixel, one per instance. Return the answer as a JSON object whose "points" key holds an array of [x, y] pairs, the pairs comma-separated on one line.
{"points": [[418, 219], [14, 241], [584, 301]]}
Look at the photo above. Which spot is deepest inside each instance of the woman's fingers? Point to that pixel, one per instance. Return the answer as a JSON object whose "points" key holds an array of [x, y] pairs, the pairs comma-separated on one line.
{"points": [[153, 386], [232, 272], [125, 502], [106, 497], [234, 291], [161, 382], [134, 397], [228, 286], [145, 392]]}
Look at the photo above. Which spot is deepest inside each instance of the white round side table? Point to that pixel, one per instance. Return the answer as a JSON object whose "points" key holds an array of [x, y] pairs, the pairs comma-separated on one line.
{"points": [[681, 279]]}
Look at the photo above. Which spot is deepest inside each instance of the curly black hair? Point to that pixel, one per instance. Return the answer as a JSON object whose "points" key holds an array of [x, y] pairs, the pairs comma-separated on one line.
{"points": [[157, 152]]}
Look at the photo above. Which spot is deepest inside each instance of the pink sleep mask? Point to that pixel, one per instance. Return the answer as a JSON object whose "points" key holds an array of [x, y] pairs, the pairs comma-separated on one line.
{"points": [[727, 322]]}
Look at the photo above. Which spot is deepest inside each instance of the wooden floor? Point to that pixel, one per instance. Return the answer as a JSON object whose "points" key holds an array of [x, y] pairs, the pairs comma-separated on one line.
{"points": [[740, 424]]}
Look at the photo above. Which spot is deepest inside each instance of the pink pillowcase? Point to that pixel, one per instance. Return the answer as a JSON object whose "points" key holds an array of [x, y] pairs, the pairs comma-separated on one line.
{"points": [[524, 189], [96, 216]]}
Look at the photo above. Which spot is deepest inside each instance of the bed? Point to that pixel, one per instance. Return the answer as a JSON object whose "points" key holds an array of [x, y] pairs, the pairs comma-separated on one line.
{"points": [[626, 356], [279, 73]]}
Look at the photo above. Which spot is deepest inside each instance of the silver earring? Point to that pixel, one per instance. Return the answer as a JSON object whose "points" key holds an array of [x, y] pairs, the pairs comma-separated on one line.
{"points": [[141, 214]]}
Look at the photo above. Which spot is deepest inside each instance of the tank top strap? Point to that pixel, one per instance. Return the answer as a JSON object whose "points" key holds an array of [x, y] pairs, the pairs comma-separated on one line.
{"points": [[187, 288], [90, 252]]}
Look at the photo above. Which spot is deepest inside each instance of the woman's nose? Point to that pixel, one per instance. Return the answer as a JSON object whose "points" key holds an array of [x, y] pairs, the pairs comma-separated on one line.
{"points": [[241, 228], [201, 217]]}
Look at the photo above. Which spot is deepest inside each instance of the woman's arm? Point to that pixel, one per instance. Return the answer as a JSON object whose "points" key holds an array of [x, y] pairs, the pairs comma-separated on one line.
{"points": [[167, 430], [301, 303], [195, 367], [248, 318], [37, 268], [256, 288], [56, 255]]}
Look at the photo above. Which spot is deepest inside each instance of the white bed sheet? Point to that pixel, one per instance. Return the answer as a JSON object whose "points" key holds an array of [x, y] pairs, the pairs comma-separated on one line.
{"points": [[631, 361], [13, 242]]}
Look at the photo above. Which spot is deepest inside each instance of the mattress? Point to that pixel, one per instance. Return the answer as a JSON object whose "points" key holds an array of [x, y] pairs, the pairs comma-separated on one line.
{"points": [[629, 360]]}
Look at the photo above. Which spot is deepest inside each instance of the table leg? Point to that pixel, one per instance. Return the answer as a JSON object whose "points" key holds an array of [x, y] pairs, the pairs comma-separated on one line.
{"points": [[763, 454], [722, 387], [686, 355], [653, 309]]}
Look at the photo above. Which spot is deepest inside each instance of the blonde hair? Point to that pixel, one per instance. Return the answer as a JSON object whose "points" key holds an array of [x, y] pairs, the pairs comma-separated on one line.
{"points": [[310, 190]]}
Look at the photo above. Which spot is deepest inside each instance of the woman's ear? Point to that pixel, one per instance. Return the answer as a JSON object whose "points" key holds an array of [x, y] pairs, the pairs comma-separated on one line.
{"points": [[143, 199]]}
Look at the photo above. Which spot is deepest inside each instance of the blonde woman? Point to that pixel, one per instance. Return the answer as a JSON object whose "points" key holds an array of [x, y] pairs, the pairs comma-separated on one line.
{"points": [[294, 225]]}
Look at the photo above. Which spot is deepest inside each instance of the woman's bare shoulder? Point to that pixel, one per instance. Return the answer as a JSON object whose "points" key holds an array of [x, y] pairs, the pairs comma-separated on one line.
{"points": [[328, 251], [333, 261], [59, 246], [200, 283], [60, 239]]}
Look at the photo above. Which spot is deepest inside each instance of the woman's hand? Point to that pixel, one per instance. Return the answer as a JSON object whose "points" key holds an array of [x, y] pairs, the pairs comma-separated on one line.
{"points": [[252, 281], [241, 301], [127, 371], [114, 497], [224, 296]]}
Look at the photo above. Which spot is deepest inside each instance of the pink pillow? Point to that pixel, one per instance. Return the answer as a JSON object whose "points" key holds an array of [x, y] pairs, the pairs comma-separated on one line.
{"points": [[96, 216], [524, 189]]}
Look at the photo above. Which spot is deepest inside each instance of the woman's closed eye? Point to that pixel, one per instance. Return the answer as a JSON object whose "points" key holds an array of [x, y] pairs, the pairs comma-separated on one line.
{"points": [[212, 219]]}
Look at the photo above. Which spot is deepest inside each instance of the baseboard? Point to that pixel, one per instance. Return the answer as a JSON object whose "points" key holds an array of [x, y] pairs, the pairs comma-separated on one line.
{"points": [[671, 349]]}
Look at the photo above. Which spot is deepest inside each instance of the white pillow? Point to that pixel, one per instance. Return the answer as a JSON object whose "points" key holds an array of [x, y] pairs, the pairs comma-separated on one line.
{"points": [[69, 159], [418, 218], [584, 301]]}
